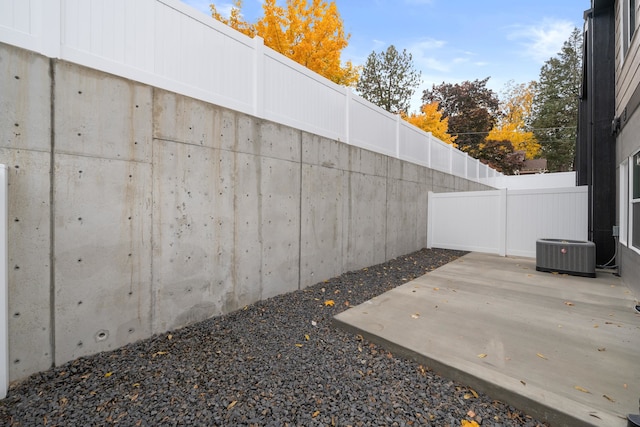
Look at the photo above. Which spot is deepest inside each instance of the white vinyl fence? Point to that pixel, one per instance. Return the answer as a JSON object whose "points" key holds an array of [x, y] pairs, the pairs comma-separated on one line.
{"points": [[4, 283], [506, 222], [169, 45]]}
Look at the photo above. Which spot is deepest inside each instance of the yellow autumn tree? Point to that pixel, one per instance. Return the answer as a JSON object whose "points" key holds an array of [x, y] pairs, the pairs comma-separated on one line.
{"points": [[310, 34], [235, 19], [430, 120], [516, 109]]}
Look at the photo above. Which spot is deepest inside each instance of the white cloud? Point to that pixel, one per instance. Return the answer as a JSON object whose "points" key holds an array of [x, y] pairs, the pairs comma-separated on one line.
{"points": [[542, 41]]}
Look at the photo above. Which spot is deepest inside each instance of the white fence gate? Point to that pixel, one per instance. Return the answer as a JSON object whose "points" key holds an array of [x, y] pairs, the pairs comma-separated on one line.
{"points": [[506, 222]]}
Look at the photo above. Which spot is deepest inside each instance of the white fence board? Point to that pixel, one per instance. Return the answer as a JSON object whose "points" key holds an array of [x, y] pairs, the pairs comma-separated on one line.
{"points": [[470, 221], [506, 222], [441, 156], [414, 144], [560, 213]]}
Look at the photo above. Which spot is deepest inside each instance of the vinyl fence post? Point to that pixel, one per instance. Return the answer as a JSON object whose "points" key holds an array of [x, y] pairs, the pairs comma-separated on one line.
{"points": [[347, 111], [429, 144], [398, 135], [503, 222], [429, 219], [4, 283], [49, 23], [258, 77]]}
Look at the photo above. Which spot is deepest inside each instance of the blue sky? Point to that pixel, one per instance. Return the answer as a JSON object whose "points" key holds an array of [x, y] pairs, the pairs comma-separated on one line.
{"points": [[452, 40]]}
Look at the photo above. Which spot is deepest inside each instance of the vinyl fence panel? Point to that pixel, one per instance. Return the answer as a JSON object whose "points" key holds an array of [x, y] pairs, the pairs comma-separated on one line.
{"points": [[559, 213], [506, 222], [169, 45], [469, 221]]}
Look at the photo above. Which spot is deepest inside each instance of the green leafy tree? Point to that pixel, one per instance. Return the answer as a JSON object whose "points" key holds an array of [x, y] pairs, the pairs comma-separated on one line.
{"points": [[555, 105], [389, 80], [471, 108]]}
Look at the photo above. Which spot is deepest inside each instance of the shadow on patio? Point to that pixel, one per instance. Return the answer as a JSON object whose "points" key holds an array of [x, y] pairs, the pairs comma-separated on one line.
{"points": [[564, 349]]}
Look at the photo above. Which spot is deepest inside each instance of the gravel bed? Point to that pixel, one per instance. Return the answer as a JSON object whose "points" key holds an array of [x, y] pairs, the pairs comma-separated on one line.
{"points": [[277, 362]]}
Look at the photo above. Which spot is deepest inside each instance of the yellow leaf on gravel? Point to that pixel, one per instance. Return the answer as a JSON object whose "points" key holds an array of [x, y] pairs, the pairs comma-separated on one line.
{"points": [[482, 355], [298, 345], [108, 374], [584, 390], [306, 337], [467, 396], [329, 303], [232, 404], [315, 414], [466, 423], [474, 395], [541, 356]]}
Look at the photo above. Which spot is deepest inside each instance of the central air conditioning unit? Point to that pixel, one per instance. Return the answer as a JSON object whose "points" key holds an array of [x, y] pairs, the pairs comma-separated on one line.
{"points": [[574, 257]]}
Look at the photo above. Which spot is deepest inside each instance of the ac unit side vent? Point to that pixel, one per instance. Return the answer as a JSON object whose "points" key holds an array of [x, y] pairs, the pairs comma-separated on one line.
{"points": [[574, 257]]}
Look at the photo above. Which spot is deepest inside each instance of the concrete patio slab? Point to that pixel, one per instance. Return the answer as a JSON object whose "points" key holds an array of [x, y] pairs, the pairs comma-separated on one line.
{"points": [[563, 349]]}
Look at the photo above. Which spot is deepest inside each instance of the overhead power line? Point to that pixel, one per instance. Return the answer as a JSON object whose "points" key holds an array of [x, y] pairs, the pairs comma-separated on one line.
{"points": [[516, 131]]}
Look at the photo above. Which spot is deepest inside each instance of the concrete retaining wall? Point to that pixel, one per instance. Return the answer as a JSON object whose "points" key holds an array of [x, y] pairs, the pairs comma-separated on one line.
{"points": [[133, 211]]}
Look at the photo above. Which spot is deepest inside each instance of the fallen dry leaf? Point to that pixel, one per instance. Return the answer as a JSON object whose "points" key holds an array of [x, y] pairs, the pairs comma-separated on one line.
{"points": [[482, 355], [298, 345], [232, 404], [108, 374], [306, 337], [471, 414], [608, 398], [329, 303], [474, 394], [602, 349], [582, 389], [568, 303], [436, 289], [541, 356], [415, 315], [523, 383]]}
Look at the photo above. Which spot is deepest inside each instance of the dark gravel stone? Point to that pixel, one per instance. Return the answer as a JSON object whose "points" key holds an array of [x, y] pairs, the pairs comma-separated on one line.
{"points": [[277, 362]]}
